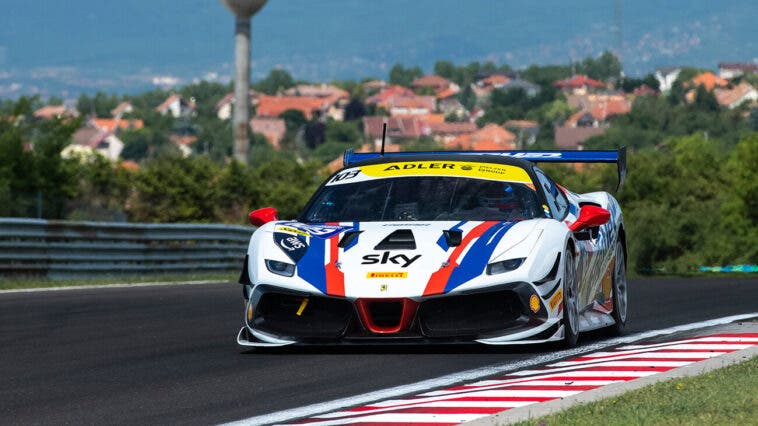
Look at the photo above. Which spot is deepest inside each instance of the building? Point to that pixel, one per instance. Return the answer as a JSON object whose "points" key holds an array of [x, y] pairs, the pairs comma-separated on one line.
{"points": [[579, 84], [176, 106], [335, 98], [489, 138], [114, 125], [734, 97], [225, 107], [398, 128], [273, 129], [273, 106], [567, 137], [49, 112], [411, 105], [436, 83], [122, 109], [708, 80], [730, 70], [445, 132], [666, 77], [526, 131], [88, 140]]}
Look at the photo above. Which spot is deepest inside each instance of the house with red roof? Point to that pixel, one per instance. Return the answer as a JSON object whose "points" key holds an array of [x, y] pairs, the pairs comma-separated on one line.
{"points": [[49, 112], [708, 80], [734, 97], [411, 105], [445, 132], [439, 85], [89, 139], [398, 128], [579, 83], [114, 125], [176, 106], [489, 137], [273, 106], [380, 99], [333, 96]]}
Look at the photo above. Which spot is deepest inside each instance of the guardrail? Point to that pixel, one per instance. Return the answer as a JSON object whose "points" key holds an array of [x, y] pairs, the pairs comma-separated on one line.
{"points": [[62, 249]]}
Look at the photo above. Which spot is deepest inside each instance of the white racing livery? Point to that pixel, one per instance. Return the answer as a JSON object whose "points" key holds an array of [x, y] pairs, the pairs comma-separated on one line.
{"points": [[446, 247]]}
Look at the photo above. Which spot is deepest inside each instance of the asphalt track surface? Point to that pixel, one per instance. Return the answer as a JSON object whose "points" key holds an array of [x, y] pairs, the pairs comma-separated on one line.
{"points": [[167, 354]]}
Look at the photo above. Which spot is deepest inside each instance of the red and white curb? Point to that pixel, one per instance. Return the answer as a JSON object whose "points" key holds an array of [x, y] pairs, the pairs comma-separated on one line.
{"points": [[479, 399]]}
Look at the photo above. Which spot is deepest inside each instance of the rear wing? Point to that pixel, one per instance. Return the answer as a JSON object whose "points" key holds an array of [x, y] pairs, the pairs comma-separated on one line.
{"points": [[609, 156]]}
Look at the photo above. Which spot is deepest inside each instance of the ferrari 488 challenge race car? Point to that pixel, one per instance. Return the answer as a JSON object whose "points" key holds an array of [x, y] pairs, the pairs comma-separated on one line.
{"points": [[439, 247]]}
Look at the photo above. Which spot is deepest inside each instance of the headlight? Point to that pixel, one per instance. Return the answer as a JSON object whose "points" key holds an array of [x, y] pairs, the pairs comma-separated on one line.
{"points": [[504, 266], [280, 268]]}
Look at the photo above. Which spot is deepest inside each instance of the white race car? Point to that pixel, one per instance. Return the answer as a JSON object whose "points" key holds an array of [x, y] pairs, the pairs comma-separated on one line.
{"points": [[445, 247]]}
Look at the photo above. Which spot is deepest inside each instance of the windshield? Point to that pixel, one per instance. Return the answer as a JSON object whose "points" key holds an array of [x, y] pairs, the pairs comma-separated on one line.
{"points": [[424, 198]]}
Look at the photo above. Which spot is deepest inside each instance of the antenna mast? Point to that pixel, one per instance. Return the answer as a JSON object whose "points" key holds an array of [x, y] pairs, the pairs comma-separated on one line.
{"points": [[384, 135]]}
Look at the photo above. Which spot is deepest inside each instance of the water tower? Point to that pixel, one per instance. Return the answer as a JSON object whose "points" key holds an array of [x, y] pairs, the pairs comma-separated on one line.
{"points": [[243, 11]]}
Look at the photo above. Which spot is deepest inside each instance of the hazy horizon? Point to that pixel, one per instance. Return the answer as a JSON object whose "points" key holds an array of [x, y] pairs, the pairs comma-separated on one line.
{"points": [[65, 48]]}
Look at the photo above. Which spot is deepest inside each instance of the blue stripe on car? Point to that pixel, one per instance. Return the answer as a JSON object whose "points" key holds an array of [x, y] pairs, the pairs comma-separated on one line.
{"points": [[478, 256]]}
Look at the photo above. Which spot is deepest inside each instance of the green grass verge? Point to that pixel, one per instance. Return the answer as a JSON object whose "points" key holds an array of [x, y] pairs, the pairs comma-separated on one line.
{"points": [[727, 396], [30, 282]]}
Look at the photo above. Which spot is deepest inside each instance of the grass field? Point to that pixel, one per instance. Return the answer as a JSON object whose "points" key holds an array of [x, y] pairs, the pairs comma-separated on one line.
{"points": [[21, 283], [728, 396]]}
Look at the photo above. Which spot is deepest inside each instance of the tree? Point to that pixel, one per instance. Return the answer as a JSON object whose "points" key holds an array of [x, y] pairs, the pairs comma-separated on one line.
{"points": [[604, 67], [315, 133], [275, 81], [444, 69], [100, 105], [404, 76], [294, 119], [205, 94], [174, 189], [354, 110]]}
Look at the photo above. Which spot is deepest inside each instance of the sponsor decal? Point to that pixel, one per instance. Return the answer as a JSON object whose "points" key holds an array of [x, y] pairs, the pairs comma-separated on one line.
{"points": [[534, 303], [533, 154], [382, 287], [556, 299], [346, 175], [294, 246], [385, 258], [501, 172], [387, 275], [316, 230], [292, 230]]}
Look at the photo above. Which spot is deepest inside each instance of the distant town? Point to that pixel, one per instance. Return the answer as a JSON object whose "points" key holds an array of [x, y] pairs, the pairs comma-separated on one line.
{"points": [[474, 107]]}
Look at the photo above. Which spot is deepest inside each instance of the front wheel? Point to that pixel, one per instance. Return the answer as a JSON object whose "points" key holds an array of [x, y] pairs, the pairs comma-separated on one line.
{"points": [[570, 302], [620, 290]]}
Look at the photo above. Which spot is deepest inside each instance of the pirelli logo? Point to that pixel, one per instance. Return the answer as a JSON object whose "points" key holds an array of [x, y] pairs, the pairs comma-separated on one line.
{"points": [[387, 275]]}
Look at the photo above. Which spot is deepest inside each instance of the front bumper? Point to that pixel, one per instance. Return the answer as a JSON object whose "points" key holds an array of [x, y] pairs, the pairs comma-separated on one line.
{"points": [[494, 315]]}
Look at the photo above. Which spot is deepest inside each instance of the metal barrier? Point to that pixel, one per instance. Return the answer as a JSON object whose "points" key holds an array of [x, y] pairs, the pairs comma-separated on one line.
{"points": [[62, 249]]}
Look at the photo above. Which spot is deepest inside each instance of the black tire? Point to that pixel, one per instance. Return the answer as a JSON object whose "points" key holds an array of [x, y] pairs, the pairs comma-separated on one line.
{"points": [[570, 301], [620, 293]]}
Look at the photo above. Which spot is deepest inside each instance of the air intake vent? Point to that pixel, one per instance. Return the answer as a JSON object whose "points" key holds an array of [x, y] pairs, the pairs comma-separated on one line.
{"points": [[348, 238], [402, 239], [453, 237]]}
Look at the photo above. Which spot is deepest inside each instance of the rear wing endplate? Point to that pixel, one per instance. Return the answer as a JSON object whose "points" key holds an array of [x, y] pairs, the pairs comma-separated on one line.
{"points": [[609, 156]]}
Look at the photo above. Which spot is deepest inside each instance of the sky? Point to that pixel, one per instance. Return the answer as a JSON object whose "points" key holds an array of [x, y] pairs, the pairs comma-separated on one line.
{"points": [[66, 47]]}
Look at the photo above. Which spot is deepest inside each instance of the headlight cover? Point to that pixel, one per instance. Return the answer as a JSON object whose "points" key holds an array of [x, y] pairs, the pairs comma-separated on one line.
{"points": [[280, 268], [504, 266]]}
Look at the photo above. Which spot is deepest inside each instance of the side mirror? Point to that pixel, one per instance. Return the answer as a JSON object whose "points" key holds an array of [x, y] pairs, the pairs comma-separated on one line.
{"points": [[263, 216], [590, 216]]}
